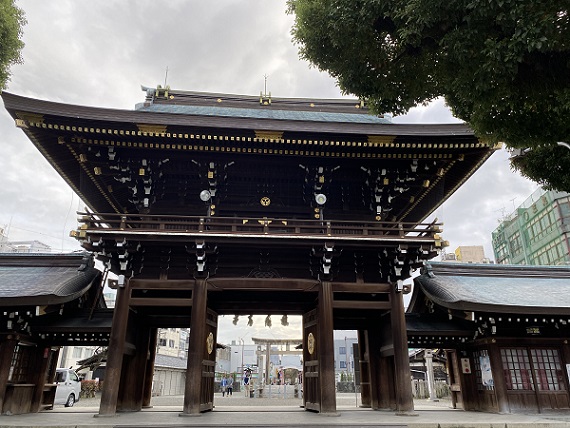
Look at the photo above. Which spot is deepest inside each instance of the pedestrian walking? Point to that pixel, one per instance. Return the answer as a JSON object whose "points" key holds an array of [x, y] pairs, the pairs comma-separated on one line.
{"points": [[247, 384], [230, 385], [224, 385]]}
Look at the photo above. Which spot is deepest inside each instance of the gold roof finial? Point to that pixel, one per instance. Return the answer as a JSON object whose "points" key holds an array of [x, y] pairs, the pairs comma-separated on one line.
{"points": [[264, 97]]}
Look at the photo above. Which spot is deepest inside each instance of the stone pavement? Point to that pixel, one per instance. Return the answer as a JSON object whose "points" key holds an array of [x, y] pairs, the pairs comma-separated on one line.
{"points": [[238, 411]]}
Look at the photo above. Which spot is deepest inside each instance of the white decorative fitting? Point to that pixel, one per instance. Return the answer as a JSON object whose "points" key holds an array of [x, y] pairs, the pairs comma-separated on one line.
{"points": [[320, 199]]}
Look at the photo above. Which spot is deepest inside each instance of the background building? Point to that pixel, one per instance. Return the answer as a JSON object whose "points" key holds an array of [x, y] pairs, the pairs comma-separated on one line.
{"points": [[70, 355], [173, 342], [7, 246], [537, 232], [29, 247], [471, 254], [466, 254], [344, 358]]}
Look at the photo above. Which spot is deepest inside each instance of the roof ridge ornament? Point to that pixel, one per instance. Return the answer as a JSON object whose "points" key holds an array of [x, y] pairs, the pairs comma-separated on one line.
{"points": [[264, 97], [162, 92]]}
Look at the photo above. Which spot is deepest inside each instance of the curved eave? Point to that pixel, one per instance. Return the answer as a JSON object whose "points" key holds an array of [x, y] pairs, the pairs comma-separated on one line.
{"points": [[45, 279], [100, 321], [48, 299], [45, 123], [465, 305], [455, 177], [436, 275], [14, 103]]}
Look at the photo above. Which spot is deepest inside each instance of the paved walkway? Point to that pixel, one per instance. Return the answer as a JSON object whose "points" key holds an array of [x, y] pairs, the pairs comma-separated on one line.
{"points": [[238, 411]]}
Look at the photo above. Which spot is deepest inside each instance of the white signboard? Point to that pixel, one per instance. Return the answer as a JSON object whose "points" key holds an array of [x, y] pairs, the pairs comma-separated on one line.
{"points": [[465, 366]]}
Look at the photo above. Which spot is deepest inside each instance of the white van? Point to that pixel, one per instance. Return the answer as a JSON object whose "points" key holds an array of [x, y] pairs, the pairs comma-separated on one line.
{"points": [[68, 387]]}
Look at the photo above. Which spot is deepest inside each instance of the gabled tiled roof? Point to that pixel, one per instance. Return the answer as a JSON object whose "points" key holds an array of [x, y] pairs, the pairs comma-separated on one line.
{"points": [[44, 279], [497, 288], [164, 361]]}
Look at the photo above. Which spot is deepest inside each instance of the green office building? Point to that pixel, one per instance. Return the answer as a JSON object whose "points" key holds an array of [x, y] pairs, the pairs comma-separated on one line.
{"points": [[537, 232]]}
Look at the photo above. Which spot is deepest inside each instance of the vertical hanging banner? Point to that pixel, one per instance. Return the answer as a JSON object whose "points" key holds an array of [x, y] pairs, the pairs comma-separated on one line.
{"points": [[486, 374]]}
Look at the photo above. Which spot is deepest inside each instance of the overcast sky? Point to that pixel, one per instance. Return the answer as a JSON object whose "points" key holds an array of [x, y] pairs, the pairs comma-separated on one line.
{"points": [[99, 53]]}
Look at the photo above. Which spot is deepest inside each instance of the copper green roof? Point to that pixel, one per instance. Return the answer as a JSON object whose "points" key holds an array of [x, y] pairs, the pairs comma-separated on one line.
{"points": [[268, 113]]}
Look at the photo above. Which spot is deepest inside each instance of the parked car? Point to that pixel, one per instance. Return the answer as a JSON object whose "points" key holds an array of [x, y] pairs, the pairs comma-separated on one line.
{"points": [[68, 387]]}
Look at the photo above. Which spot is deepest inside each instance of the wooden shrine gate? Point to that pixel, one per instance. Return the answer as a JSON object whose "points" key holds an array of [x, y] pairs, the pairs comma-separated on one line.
{"points": [[233, 204], [153, 303]]}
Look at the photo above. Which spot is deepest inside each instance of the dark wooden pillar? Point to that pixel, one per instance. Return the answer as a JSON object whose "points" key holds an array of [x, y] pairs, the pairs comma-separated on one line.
{"points": [[43, 364], [325, 348], [149, 369], [388, 387], [364, 363], [498, 378], [374, 359], [565, 352], [134, 369], [381, 356], [115, 353], [452, 375], [196, 347], [565, 358], [404, 397], [7, 345]]}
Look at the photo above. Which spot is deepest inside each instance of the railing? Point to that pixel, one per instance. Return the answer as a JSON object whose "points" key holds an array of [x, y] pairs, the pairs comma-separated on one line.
{"points": [[252, 226]]}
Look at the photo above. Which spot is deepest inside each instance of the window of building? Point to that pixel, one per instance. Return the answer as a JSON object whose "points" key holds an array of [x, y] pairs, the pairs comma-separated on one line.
{"points": [[77, 352], [549, 373], [516, 243], [551, 254], [342, 364], [162, 342], [516, 368], [342, 350], [501, 252], [546, 367], [19, 365], [565, 212], [171, 343]]}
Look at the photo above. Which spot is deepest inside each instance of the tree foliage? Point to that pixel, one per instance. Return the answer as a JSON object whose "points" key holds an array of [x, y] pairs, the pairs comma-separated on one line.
{"points": [[503, 66], [12, 21]]}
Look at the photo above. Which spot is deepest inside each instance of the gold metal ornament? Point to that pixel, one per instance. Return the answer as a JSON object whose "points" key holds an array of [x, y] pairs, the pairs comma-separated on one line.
{"points": [[311, 343], [265, 201], [210, 343]]}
